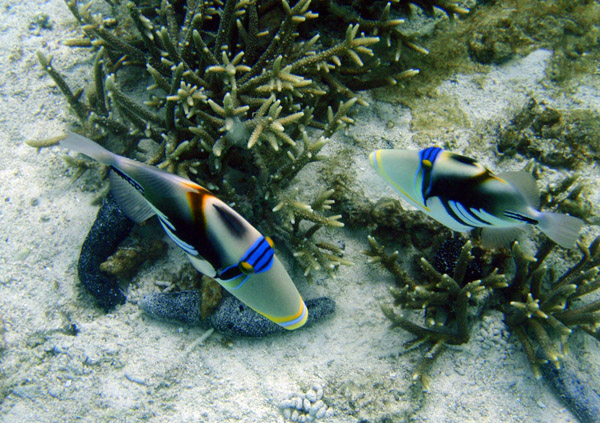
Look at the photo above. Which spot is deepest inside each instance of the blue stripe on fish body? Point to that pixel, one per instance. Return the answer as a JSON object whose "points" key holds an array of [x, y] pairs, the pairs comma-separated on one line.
{"points": [[449, 207], [296, 320], [429, 155], [470, 215], [241, 283], [460, 214], [423, 181], [259, 255]]}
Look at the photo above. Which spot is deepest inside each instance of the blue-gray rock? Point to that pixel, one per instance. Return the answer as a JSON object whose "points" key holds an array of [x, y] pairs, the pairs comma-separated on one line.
{"points": [[182, 306], [231, 317], [577, 389]]}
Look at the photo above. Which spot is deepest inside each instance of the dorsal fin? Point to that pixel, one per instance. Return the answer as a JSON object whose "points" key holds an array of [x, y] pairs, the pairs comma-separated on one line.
{"points": [[129, 199], [526, 185]]}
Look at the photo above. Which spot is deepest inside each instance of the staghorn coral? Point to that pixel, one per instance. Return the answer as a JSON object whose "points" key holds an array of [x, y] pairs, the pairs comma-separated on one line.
{"points": [[445, 299], [542, 312], [539, 307]]}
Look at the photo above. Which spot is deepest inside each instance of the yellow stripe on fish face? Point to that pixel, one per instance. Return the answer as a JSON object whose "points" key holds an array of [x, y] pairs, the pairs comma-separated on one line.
{"points": [[375, 159], [270, 241], [290, 322]]}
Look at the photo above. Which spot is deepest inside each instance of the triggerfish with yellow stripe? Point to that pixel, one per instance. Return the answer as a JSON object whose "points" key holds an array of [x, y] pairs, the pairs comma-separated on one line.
{"points": [[218, 241], [462, 194]]}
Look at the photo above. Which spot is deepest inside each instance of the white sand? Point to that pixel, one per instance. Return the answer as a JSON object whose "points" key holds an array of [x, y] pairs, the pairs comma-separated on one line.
{"points": [[123, 366]]}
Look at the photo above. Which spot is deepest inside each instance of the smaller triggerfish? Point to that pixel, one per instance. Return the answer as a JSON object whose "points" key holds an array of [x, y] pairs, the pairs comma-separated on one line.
{"points": [[218, 241], [462, 194]]}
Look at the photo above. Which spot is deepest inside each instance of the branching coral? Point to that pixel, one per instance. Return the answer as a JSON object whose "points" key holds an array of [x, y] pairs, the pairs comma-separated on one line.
{"points": [[239, 101], [444, 298], [313, 256], [544, 309], [384, 19], [540, 308]]}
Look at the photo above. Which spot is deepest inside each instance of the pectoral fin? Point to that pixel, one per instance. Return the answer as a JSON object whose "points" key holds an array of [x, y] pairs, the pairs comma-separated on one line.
{"points": [[202, 265], [492, 237]]}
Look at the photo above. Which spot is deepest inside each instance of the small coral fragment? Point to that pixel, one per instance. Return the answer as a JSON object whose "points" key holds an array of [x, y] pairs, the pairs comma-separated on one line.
{"points": [[541, 308], [126, 261]]}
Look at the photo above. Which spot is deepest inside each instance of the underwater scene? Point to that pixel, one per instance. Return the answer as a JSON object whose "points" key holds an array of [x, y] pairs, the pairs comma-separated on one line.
{"points": [[300, 211]]}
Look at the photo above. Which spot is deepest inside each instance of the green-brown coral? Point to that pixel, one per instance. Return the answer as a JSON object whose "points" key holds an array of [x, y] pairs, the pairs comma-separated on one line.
{"points": [[444, 298], [552, 137], [542, 309], [545, 308], [126, 261]]}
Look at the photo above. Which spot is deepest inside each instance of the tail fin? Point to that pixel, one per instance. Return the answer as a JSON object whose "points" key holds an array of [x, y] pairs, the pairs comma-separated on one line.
{"points": [[88, 147], [561, 228]]}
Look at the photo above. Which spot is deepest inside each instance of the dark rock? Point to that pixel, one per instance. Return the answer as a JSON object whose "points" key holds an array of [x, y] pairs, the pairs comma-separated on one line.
{"points": [[182, 306], [109, 229], [577, 389]]}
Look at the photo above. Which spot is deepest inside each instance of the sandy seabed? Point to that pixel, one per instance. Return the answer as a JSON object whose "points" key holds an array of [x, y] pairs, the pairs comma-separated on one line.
{"points": [[124, 366]]}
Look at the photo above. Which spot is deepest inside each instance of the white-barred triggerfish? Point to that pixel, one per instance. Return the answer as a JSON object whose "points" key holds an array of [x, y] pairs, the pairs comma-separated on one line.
{"points": [[218, 241], [462, 194]]}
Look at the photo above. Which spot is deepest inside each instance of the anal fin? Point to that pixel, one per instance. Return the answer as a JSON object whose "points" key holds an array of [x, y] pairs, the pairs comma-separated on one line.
{"points": [[492, 237], [202, 265]]}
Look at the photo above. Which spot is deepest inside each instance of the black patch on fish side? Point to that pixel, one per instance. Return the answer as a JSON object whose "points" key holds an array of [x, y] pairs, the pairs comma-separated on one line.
{"points": [[232, 220], [229, 274], [109, 229], [463, 190]]}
